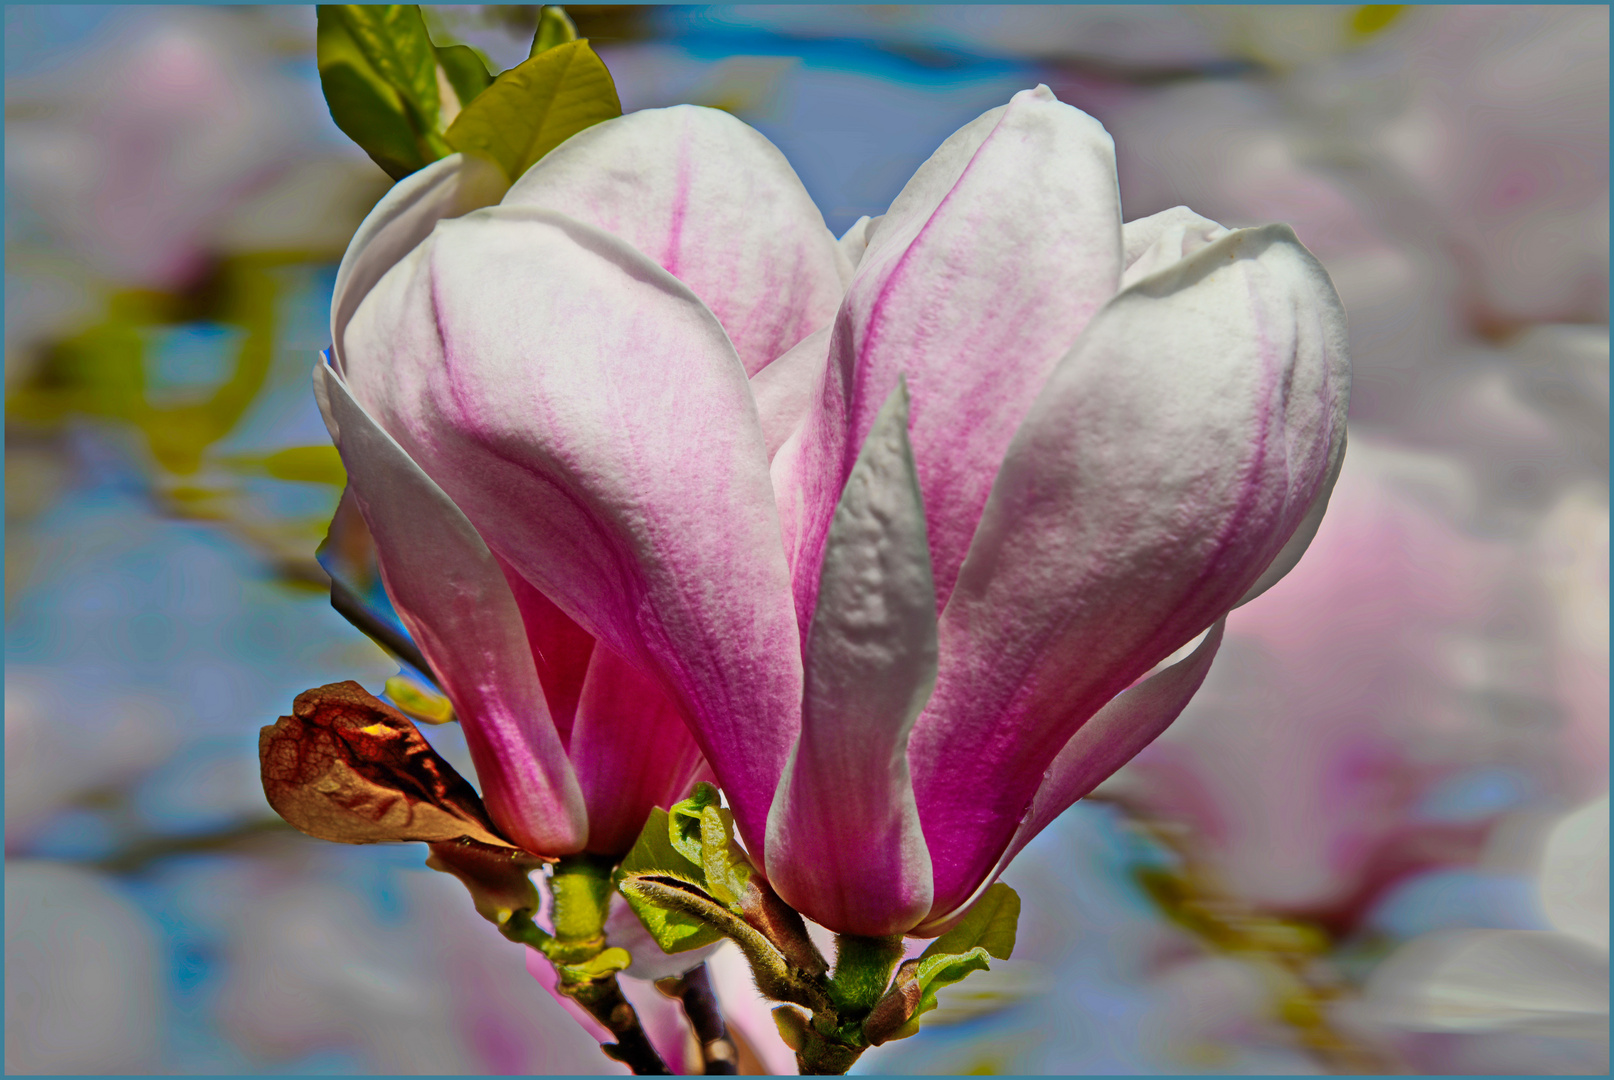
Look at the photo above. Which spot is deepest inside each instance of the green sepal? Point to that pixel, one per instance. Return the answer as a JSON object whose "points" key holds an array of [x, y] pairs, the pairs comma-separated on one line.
{"points": [[555, 27], [654, 854], [466, 71], [607, 962], [367, 108], [535, 106], [990, 925]]}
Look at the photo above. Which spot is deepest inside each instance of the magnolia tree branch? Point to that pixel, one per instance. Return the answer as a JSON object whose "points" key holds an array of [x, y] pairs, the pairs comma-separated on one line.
{"points": [[604, 1001], [348, 605], [694, 992]]}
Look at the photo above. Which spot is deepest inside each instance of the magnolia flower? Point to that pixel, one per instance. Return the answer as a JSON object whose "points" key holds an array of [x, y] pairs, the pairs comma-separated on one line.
{"points": [[896, 525]]}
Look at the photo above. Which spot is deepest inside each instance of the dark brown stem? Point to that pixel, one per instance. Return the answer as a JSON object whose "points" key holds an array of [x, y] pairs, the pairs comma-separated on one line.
{"points": [[347, 604], [604, 1001], [694, 991]]}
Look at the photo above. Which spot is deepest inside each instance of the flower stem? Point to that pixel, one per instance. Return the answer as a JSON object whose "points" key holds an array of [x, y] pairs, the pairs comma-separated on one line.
{"points": [[580, 888]]}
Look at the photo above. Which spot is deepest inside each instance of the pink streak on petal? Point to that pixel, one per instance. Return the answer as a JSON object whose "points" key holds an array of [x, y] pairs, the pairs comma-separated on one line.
{"points": [[977, 282], [456, 605], [716, 205], [560, 649], [1112, 737], [591, 416], [631, 751], [1172, 455]]}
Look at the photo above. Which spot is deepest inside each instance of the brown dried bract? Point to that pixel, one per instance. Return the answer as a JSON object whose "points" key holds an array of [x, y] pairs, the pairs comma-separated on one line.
{"points": [[348, 767], [497, 877]]}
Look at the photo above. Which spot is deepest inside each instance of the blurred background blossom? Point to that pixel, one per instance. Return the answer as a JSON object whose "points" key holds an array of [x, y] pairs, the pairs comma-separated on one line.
{"points": [[1372, 842]]}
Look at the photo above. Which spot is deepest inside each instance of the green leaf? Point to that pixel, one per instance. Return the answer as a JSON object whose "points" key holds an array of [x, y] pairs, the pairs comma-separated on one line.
{"points": [[365, 106], [986, 931], [990, 924], [393, 39], [654, 854], [684, 822], [536, 106], [727, 868], [466, 71], [417, 702], [555, 27]]}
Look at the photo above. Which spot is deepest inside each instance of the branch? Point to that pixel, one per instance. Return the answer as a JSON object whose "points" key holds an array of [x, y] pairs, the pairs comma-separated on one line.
{"points": [[604, 1001], [694, 991], [348, 605]]}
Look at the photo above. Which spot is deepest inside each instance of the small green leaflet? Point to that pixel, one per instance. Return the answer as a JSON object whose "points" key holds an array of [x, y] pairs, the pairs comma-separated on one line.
{"points": [[608, 962], [555, 27], [466, 72], [388, 87], [684, 821], [990, 924], [987, 931], [536, 106], [654, 855]]}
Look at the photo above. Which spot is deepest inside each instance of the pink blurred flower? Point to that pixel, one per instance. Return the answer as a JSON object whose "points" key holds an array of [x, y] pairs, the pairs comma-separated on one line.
{"points": [[136, 152], [1306, 763]]}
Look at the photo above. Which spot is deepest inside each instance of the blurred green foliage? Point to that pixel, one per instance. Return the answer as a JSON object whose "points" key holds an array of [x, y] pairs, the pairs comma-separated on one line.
{"points": [[104, 371], [110, 373]]}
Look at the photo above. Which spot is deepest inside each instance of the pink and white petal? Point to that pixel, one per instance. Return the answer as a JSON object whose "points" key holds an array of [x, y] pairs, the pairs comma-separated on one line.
{"points": [[787, 389], [631, 751], [589, 414], [844, 843], [714, 204], [404, 217], [807, 480], [561, 650], [451, 596], [1172, 455], [984, 271], [856, 239], [1160, 240], [1113, 736], [1289, 556]]}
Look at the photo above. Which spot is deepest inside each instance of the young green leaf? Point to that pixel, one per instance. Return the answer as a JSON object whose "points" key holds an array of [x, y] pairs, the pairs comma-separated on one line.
{"points": [[990, 924], [653, 854], [555, 27], [466, 72], [987, 931], [536, 106], [364, 105], [684, 822], [727, 868], [608, 962], [930, 975], [393, 39]]}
